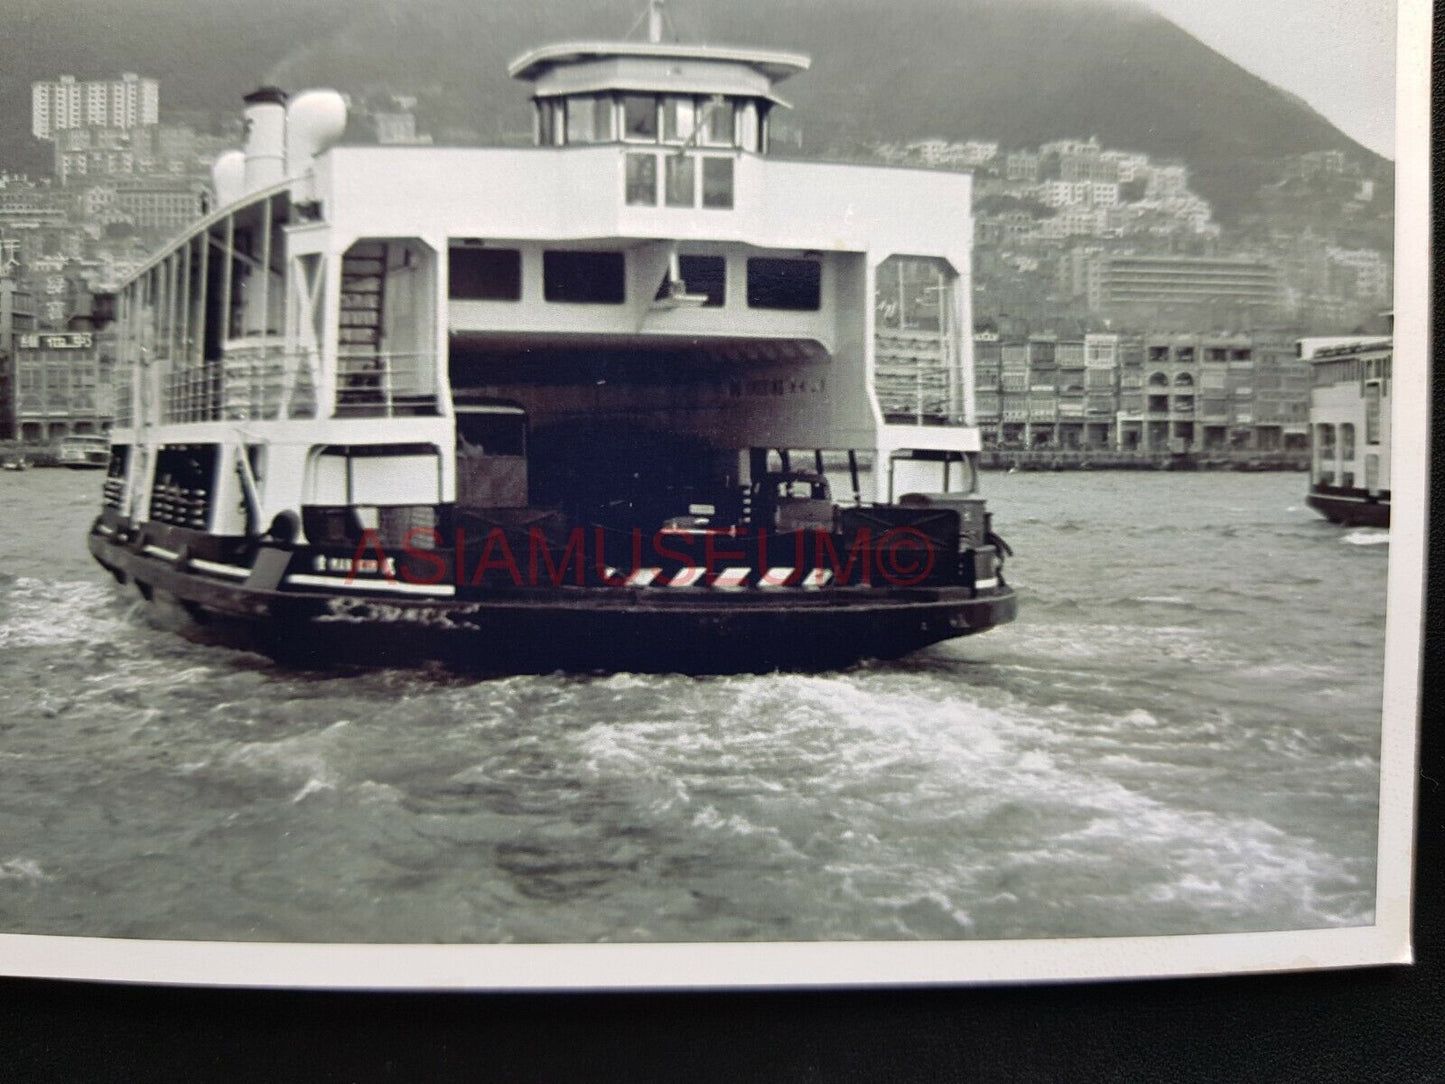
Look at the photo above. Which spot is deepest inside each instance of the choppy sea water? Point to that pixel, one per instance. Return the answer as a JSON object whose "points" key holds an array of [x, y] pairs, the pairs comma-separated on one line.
{"points": [[1179, 735]]}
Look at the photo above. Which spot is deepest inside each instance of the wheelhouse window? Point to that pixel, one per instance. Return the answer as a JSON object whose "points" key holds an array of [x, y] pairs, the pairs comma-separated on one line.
{"points": [[789, 284], [485, 274], [717, 182], [639, 118], [595, 278], [590, 119], [718, 122], [679, 120]]}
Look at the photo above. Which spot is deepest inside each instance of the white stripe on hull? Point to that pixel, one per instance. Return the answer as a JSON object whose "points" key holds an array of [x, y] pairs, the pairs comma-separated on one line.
{"points": [[442, 590], [220, 569]]}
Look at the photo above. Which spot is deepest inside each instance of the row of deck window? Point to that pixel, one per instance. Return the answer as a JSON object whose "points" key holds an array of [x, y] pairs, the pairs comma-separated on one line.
{"points": [[600, 278], [682, 120], [1351, 370]]}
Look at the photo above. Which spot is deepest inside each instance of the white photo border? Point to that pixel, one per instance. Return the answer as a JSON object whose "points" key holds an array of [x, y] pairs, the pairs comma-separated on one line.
{"points": [[872, 963]]}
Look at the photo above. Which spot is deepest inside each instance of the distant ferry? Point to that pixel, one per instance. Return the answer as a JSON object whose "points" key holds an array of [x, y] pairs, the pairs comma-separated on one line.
{"points": [[1350, 430], [564, 407], [83, 452]]}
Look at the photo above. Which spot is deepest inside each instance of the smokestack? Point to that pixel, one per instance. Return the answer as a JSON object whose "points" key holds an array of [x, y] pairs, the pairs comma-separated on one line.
{"points": [[265, 138]]}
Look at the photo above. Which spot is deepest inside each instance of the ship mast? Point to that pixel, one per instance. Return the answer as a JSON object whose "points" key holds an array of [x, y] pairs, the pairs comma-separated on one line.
{"points": [[656, 18]]}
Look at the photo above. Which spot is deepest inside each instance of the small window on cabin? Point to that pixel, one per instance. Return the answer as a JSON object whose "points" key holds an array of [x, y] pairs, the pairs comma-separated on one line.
{"points": [[681, 180], [794, 285], [639, 118], [679, 120], [1347, 441], [717, 182], [642, 180], [717, 122], [589, 278], [702, 275], [589, 120], [485, 274]]}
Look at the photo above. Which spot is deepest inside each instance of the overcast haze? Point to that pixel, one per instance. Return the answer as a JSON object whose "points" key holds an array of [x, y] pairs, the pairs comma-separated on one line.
{"points": [[1338, 55]]}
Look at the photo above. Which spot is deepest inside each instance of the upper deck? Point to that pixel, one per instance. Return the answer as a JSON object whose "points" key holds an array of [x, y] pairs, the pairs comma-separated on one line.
{"points": [[591, 192]]}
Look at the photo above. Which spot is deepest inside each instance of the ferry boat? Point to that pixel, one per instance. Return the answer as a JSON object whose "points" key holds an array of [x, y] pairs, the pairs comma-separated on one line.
{"points": [[83, 452], [1350, 430], [573, 406]]}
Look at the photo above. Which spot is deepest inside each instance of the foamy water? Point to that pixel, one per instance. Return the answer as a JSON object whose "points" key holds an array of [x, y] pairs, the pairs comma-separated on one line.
{"points": [[1180, 734]]}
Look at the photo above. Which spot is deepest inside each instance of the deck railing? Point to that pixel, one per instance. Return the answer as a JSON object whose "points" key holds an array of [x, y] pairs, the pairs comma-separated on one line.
{"points": [[248, 383], [383, 384]]}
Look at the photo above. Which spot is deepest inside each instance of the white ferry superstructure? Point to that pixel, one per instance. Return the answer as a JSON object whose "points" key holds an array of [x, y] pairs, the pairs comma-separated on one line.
{"points": [[1350, 429], [569, 405]]}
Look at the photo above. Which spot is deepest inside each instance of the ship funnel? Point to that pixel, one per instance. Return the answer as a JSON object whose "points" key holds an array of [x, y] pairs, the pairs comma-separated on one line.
{"points": [[228, 177], [315, 120], [265, 138]]}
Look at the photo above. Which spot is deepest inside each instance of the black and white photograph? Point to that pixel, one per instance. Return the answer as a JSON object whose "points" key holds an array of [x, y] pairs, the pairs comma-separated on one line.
{"points": [[672, 493]]}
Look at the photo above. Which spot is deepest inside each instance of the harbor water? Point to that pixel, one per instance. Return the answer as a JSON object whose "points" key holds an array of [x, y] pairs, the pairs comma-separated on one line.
{"points": [[1180, 734]]}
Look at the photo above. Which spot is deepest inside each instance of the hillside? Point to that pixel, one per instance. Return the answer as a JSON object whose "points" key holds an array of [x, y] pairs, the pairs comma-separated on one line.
{"points": [[1018, 71]]}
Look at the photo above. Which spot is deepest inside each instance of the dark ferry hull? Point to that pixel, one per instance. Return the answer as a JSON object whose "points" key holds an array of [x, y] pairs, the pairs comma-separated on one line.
{"points": [[568, 629], [1352, 509]]}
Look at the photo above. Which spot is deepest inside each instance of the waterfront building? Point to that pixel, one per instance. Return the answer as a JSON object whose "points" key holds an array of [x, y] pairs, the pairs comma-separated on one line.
{"points": [[60, 389], [17, 315], [1213, 393]]}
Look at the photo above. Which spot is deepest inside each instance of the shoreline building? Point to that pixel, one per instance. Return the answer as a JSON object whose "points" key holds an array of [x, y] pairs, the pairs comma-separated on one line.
{"points": [[60, 388], [1156, 392], [17, 315]]}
